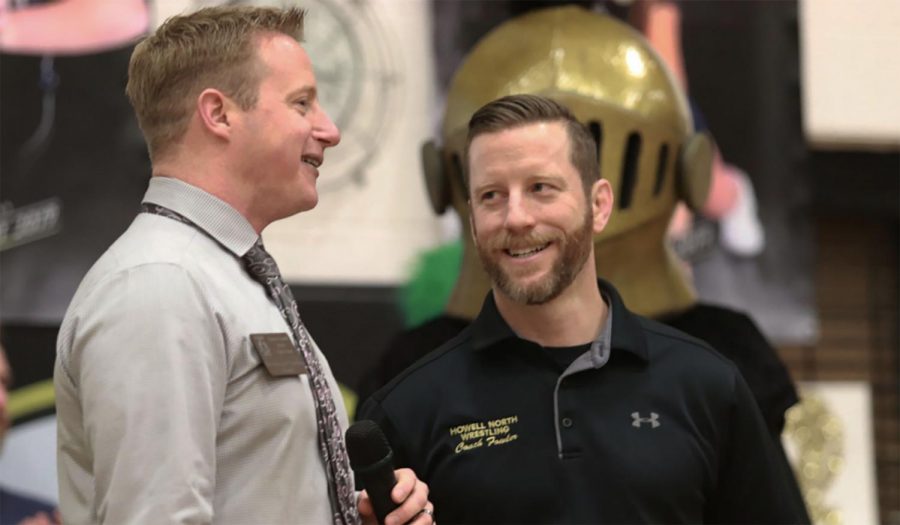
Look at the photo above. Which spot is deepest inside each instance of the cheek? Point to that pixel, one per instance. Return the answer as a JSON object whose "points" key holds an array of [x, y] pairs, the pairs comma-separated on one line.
{"points": [[302, 127], [570, 216], [483, 225]]}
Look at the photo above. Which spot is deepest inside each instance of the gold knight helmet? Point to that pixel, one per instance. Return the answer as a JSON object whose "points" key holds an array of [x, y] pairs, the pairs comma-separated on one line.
{"points": [[617, 85]]}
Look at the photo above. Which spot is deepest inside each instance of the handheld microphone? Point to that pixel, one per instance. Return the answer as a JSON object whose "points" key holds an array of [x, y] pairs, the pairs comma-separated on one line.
{"points": [[372, 461]]}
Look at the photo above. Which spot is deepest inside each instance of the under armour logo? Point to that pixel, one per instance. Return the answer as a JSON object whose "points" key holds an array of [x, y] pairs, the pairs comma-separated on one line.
{"points": [[637, 420]]}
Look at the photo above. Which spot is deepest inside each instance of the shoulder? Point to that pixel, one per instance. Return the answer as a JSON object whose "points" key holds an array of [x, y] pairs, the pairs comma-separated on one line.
{"points": [[409, 346], [154, 252], [155, 286], [148, 281], [666, 348], [146, 301], [153, 238], [431, 334], [674, 351], [407, 406], [433, 368], [661, 336]]}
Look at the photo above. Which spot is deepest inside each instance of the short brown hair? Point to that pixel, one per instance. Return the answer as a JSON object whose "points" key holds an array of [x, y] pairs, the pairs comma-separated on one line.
{"points": [[212, 47], [514, 111]]}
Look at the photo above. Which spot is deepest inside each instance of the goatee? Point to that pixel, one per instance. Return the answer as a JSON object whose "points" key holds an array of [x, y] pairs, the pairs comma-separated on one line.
{"points": [[575, 249]]}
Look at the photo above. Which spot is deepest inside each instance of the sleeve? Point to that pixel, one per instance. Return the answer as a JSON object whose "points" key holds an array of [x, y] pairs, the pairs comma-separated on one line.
{"points": [[771, 385], [740, 340], [755, 482], [149, 363]]}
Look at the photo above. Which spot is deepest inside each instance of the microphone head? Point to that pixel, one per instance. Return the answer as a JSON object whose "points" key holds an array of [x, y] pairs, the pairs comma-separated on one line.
{"points": [[366, 444]]}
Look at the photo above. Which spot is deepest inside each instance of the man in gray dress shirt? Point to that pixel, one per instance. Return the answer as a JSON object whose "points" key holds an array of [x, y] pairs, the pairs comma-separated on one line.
{"points": [[168, 410]]}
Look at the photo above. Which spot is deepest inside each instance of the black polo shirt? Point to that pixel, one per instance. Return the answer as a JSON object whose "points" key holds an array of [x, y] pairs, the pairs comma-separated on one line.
{"points": [[648, 426]]}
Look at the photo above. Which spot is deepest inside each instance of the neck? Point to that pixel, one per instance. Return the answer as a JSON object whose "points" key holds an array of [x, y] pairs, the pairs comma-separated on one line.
{"points": [[213, 178], [573, 318]]}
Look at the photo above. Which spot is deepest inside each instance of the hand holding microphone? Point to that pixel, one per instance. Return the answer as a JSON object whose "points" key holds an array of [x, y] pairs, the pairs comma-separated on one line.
{"points": [[372, 461]]}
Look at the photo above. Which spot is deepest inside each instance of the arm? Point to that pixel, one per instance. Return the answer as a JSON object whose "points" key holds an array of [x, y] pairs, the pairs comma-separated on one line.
{"points": [[755, 482], [148, 362]]}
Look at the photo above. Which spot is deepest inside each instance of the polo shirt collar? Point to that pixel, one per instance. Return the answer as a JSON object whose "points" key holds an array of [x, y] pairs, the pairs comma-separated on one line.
{"points": [[627, 330], [212, 215], [489, 328]]}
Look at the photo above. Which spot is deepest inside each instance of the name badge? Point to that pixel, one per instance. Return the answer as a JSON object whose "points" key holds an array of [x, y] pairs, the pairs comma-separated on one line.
{"points": [[278, 354]]}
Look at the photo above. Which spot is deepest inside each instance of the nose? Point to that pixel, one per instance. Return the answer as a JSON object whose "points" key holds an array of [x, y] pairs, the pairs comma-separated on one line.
{"points": [[325, 130], [519, 216]]}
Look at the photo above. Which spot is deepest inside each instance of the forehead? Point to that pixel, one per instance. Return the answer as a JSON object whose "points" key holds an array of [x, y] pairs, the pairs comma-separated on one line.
{"points": [[284, 58], [521, 148], [547, 137]]}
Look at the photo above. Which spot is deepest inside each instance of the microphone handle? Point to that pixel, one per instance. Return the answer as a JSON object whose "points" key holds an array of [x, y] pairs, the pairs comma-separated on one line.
{"points": [[378, 479]]}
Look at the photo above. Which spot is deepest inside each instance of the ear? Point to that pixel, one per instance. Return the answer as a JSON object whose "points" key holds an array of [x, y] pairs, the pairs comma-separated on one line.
{"points": [[216, 112], [602, 203]]}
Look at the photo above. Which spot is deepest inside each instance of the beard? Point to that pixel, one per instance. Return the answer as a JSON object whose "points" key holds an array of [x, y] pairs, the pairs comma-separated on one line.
{"points": [[575, 247]]}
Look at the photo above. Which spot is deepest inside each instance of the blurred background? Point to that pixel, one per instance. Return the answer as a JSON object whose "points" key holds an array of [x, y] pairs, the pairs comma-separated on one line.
{"points": [[799, 96]]}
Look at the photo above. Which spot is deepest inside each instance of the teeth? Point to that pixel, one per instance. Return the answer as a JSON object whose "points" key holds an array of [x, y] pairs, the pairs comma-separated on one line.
{"points": [[526, 252], [312, 162]]}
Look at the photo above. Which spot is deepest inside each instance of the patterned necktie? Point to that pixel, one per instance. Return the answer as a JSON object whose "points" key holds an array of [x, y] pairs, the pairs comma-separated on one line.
{"points": [[262, 267]]}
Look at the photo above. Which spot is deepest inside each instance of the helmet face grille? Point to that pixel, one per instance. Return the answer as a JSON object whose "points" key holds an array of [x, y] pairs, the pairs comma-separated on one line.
{"points": [[629, 170], [661, 164], [597, 132]]}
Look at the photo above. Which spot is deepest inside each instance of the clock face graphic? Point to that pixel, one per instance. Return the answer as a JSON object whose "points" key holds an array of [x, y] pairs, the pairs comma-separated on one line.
{"points": [[359, 80]]}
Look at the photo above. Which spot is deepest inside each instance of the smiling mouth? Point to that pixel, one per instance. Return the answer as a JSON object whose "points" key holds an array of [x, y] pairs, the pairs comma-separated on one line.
{"points": [[315, 163], [525, 252]]}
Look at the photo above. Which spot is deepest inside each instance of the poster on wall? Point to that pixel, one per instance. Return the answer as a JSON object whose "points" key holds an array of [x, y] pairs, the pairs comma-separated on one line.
{"points": [[73, 164], [73, 167]]}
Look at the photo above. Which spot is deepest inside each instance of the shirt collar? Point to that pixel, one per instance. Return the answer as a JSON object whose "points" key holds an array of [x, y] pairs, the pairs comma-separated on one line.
{"points": [[214, 216], [489, 328]]}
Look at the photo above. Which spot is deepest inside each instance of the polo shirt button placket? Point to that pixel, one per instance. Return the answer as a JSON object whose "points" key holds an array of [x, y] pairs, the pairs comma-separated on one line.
{"points": [[567, 422]]}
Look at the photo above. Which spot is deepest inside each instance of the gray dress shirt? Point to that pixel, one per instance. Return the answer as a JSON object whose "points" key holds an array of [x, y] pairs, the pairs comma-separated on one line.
{"points": [[165, 411]]}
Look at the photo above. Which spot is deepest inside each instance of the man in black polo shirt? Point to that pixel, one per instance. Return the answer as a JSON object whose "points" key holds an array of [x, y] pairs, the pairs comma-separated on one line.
{"points": [[557, 404]]}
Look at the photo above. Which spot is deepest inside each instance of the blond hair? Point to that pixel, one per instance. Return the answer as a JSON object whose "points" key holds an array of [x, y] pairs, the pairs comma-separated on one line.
{"points": [[210, 48]]}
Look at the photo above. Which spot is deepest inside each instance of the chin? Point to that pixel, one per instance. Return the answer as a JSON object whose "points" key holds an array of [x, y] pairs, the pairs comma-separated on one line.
{"points": [[290, 209], [307, 199], [308, 204]]}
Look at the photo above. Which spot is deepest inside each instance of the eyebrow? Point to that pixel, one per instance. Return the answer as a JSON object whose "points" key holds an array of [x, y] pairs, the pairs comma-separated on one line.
{"points": [[475, 190], [538, 177], [305, 90]]}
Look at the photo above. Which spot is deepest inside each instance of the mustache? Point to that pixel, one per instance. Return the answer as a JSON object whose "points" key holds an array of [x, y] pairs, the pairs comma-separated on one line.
{"points": [[508, 241]]}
